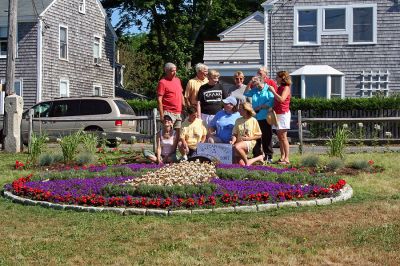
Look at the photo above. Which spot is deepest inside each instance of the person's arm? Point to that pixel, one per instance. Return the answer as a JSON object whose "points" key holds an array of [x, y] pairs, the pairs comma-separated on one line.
{"points": [[233, 140], [160, 107], [198, 109], [280, 98], [158, 153], [188, 93]]}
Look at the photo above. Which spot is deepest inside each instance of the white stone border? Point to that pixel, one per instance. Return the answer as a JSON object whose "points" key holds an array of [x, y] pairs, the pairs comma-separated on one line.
{"points": [[345, 193]]}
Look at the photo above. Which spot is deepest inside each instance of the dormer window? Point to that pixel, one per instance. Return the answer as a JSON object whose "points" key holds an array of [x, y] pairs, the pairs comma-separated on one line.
{"points": [[82, 6]]}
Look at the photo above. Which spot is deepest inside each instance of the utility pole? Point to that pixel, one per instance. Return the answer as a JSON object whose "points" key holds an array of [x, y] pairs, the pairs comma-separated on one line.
{"points": [[11, 45]]}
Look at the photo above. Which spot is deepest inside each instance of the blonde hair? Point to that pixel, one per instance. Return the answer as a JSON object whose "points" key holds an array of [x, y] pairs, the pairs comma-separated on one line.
{"points": [[238, 74], [213, 73], [286, 79], [248, 108]]}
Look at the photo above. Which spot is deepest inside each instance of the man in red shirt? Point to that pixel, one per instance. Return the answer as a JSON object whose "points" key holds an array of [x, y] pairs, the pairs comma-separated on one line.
{"points": [[170, 96], [263, 72]]}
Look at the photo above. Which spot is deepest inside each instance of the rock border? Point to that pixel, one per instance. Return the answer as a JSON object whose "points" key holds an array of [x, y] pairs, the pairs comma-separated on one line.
{"points": [[345, 193]]}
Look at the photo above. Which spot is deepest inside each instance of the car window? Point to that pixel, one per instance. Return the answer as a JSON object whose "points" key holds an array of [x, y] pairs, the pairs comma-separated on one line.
{"points": [[94, 107], [124, 107], [42, 110], [65, 108]]}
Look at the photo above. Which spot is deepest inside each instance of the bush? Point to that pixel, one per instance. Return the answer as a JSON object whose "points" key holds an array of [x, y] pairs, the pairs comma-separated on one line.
{"points": [[310, 161], [142, 105], [335, 164], [69, 146], [337, 144], [36, 146], [58, 158], [46, 159], [359, 165], [90, 142], [85, 158]]}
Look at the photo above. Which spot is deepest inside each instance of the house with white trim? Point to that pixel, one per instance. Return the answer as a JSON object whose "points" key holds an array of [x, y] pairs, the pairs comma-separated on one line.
{"points": [[331, 48], [64, 48]]}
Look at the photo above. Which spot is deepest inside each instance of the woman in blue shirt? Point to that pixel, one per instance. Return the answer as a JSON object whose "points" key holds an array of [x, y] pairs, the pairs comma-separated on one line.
{"points": [[220, 127], [262, 100]]}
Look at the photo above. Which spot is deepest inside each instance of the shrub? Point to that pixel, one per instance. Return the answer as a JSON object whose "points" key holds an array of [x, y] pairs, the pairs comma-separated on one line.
{"points": [[310, 160], [36, 146], [337, 144], [58, 158], [69, 146], [360, 164], [85, 158], [90, 141], [46, 159], [335, 164]]}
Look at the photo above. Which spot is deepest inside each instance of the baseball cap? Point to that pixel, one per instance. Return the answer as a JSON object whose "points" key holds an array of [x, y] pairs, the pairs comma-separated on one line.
{"points": [[167, 117], [231, 99]]}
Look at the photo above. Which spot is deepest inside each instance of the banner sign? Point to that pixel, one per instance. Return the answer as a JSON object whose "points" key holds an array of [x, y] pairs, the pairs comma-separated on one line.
{"points": [[216, 151]]}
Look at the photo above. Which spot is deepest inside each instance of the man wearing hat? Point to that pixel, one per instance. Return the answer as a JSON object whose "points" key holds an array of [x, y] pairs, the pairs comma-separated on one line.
{"points": [[220, 127]]}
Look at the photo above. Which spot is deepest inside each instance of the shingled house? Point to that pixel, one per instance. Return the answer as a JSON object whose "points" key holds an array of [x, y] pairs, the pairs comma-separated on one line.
{"points": [[331, 48], [64, 48]]}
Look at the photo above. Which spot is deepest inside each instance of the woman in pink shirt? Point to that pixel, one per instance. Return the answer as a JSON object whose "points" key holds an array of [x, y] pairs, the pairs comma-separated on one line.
{"points": [[281, 108]]}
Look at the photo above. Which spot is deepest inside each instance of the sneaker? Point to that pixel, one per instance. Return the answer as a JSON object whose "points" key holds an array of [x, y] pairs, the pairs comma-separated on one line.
{"points": [[268, 160], [184, 158]]}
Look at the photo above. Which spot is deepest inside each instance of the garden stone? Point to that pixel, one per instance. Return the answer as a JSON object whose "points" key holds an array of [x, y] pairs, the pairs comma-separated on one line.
{"points": [[180, 212], [326, 201], [44, 204], [135, 211], [57, 206], [13, 106], [224, 209], [156, 212], [202, 211], [30, 202], [252, 208], [266, 207], [114, 210], [304, 203], [287, 204], [71, 207]]}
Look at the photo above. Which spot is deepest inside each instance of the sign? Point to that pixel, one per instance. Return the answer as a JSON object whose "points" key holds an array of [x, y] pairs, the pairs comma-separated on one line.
{"points": [[216, 151]]}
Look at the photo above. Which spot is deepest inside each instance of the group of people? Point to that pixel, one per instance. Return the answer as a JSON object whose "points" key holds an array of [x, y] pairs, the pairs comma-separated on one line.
{"points": [[235, 115]]}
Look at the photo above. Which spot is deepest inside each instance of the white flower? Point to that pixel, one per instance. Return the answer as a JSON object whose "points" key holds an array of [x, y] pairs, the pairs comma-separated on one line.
{"points": [[104, 134], [118, 139], [304, 124], [388, 134], [47, 139], [377, 127], [360, 124], [345, 126], [58, 140]]}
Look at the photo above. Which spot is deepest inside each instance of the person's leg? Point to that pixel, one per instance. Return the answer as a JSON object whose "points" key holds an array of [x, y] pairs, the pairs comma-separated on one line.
{"points": [[259, 158], [259, 142], [150, 155], [241, 149], [267, 140], [283, 145]]}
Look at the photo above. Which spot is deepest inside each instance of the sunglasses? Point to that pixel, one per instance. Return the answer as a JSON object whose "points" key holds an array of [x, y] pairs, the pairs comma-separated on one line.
{"points": [[238, 78]]}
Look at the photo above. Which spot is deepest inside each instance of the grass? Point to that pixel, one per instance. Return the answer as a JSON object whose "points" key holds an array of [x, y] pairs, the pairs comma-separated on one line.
{"points": [[362, 231]]}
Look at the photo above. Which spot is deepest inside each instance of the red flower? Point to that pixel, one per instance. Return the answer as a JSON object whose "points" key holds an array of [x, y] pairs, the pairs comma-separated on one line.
{"points": [[370, 162]]}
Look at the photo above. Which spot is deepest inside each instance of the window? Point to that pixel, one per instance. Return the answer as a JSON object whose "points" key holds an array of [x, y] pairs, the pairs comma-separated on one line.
{"points": [[357, 21], [3, 42], [96, 50], [63, 43], [64, 88], [95, 107], [82, 6], [374, 82], [42, 110], [124, 108], [65, 108], [97, 91], [307, 27], [335, 19], [336, 86], [18, 87], [363, 28]]}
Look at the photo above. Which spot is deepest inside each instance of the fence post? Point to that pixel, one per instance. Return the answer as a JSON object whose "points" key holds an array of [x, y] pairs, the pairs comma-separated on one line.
{"points": [[300, 131], [30, 132], [155, 129]]}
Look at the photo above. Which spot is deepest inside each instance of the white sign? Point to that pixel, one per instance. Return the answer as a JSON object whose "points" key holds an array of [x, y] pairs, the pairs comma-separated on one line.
{"points": [[216, 151]]}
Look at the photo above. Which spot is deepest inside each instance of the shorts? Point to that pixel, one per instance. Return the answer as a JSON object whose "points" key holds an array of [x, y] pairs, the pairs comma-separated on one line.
{"points": [[283, 121], [206, 119], [176, 119]]}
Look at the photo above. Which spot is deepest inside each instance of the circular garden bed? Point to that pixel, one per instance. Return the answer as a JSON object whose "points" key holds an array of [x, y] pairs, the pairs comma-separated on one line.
{"points": [[182, 187]]}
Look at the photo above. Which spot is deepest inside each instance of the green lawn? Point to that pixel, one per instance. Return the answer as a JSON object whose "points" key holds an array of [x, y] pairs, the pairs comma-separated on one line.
{"points": [[362, 231]]}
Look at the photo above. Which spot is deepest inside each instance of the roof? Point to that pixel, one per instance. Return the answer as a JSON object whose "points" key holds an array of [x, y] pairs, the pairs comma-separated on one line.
{"points": [[26, 9], [316, 70], [269, 3], [240, 23]]}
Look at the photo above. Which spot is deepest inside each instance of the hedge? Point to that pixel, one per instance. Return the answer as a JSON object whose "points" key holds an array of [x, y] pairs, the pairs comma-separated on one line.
{"points": [[315, 104]]}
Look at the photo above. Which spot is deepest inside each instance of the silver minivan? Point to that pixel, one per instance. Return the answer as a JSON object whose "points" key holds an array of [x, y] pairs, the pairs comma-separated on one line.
{"points": [[63, 116]]}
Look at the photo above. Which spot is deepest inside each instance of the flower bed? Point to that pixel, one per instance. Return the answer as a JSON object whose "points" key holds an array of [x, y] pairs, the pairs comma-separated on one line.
{"points": [[227, 192]]}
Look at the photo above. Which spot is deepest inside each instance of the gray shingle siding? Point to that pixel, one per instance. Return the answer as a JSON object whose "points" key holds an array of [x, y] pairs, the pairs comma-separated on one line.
{"points": [[82, 28], [252, 29], [26, 62], [335, 50]]}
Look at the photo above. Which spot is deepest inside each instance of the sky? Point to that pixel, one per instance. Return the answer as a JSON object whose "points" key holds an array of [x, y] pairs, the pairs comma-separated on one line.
{"points": [[132, 30]]}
